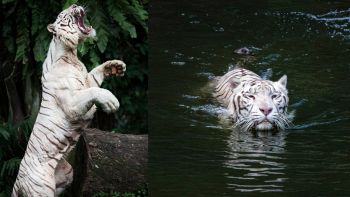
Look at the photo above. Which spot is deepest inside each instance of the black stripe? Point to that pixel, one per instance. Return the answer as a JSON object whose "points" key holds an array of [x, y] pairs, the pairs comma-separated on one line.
{"points": [[222, 93], [50, 187], [49, 94], [69, 40], [52, 142], [45, 107], [39, 123], [44, 76], [64, 144], [224, 82], [93, 76], [51, 57], [57, 125], [36, 150], [79, 81], [43, 85], [43, 114], [239, 102], [45, 64], [234, 103], [37, 137], [51, 165]]}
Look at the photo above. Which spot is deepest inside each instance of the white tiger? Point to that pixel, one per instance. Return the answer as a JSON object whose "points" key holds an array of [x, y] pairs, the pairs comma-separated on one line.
{"points": [[254, 103], [69, 95]]}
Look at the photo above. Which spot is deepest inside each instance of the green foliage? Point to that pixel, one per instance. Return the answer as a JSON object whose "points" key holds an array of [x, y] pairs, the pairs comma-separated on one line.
{"points": [[12, 148], [140, 193]]}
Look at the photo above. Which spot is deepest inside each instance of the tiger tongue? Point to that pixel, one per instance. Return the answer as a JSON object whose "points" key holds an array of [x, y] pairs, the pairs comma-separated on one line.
{"points": [[82, 26]]}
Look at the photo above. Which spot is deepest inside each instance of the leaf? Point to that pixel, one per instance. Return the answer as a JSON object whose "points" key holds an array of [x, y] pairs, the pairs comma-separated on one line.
{"points": [[36, 22], [99, 22], [94, 58], [69, 3], [7, 1], [22, 39], [102, 40], [41, 46], [139, 13], [120, 18], [83, 49], [10, 166], [4, 133]]}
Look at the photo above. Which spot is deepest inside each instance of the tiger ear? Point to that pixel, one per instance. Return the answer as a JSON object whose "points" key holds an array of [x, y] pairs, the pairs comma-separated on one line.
{"points": [[283, 81], [51, 28]]}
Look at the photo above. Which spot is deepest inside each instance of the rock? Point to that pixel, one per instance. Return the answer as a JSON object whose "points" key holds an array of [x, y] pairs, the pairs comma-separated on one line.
{"points": [[105, 162]]}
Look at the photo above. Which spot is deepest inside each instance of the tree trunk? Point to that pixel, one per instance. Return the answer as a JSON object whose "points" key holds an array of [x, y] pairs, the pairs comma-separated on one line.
{"points": [[15, 107], [108, 162]]}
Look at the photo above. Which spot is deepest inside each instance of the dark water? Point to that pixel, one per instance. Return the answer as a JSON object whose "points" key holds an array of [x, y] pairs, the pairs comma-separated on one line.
{"points": [[193, 154]]}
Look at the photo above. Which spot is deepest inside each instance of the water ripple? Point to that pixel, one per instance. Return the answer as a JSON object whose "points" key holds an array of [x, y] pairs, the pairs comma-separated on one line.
{"points": [[256, 157]]}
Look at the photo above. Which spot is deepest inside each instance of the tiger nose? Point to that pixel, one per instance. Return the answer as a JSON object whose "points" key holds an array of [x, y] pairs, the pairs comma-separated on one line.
{"points": [[266, 111]]}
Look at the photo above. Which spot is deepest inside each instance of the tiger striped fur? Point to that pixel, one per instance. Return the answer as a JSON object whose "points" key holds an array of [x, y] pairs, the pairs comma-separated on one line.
{"points": [[69, 95], [254, 103]]}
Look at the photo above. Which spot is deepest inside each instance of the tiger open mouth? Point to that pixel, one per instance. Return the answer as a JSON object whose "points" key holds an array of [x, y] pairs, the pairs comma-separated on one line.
{"points": [[79, 15]]}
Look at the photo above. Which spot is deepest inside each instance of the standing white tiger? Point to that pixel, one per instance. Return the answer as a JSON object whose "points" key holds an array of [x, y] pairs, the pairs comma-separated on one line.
{"points": [[69, 95], [252, 102]]}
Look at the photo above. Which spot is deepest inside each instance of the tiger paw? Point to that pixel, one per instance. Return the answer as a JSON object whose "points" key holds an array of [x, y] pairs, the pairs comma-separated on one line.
{"points": [[114, 67]]}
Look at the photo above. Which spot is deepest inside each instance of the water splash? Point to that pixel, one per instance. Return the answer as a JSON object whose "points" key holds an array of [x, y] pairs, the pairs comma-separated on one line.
{"points": [[210, 109], [312, 124], [266, 74], [337, 22]]}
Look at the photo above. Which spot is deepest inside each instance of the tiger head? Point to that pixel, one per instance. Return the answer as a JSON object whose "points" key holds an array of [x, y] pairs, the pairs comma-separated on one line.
{"points": [[260, 105], [69, 27]]}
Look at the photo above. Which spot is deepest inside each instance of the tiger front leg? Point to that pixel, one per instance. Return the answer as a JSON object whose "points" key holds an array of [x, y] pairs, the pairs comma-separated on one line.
{"points": [[77, 103], [109, 68]]}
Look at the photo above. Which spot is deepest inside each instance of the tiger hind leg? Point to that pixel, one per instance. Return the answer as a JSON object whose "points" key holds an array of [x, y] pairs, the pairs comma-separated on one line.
{"points": [[15, 190], [63, 176]]}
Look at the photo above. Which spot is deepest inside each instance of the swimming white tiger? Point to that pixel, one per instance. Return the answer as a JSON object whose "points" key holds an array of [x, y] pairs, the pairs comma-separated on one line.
{"points": [[69, 95], [254, 103]]}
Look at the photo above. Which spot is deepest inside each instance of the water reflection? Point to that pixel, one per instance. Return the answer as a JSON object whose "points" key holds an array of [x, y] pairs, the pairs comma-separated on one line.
{"points": [[255, 161]]}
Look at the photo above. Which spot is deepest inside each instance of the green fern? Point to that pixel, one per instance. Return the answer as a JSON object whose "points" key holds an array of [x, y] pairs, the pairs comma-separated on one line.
{"points": [[22, 39], [136, 9], [12, 150], [10, 167], [7, 1], [99, 22], [116, 12], [4, 134], [69, 3]]}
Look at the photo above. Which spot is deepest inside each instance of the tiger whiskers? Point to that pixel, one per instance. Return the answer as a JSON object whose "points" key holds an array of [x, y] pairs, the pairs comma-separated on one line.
{"points": [[283, 122], [287, 121], [85, 7], [245, 124]]}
